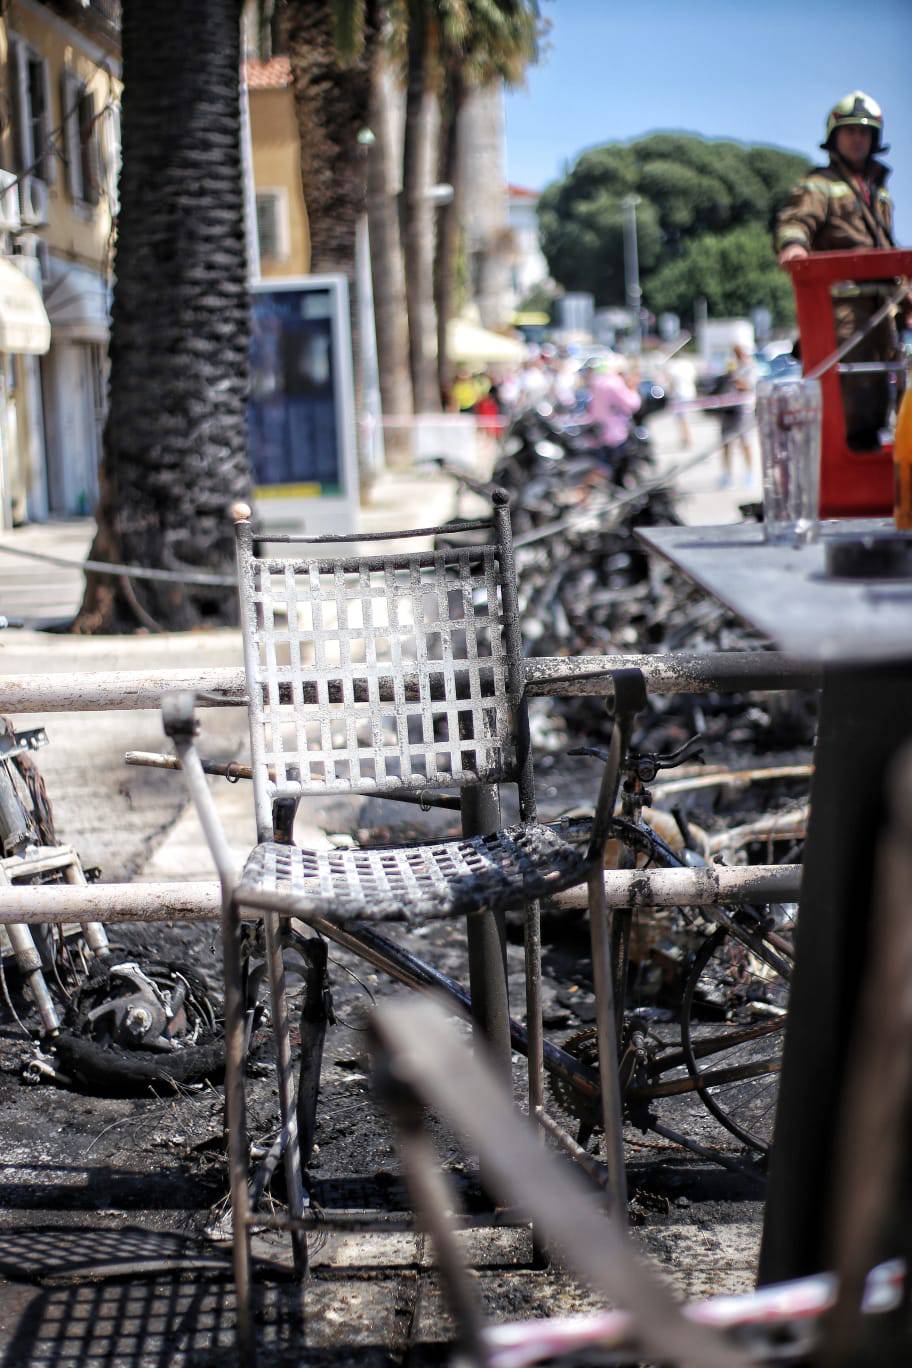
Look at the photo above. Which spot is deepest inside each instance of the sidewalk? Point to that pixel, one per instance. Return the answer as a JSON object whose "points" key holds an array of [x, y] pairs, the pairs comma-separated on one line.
{"points": [[42, 592], [705, 500]]}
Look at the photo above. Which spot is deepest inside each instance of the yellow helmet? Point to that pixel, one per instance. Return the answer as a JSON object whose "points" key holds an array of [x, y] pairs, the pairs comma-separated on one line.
{"points": [[856, 109]]}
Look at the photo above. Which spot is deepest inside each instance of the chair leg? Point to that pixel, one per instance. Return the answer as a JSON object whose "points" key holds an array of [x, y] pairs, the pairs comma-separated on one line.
{"points": [[534, 1024], [316, 1015], [535, 1044], [285, 1072], [236, 1120], [603, 980], [180, 725], [487, 944], [486, 935]]}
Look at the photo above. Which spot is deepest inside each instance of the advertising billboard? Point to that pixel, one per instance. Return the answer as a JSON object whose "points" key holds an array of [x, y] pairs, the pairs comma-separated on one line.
{"points": [[300, 415]]}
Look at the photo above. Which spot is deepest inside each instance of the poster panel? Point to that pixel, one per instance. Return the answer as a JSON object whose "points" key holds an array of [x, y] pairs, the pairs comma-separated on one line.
{"points": [[300, 415]]}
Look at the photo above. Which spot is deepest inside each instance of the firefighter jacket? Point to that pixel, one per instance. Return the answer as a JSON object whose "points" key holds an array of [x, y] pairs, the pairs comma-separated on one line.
{"points": [[827, 211]]}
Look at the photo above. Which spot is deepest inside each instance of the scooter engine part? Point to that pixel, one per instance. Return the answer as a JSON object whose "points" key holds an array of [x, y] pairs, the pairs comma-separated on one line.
{"points": [[157, 1007]]}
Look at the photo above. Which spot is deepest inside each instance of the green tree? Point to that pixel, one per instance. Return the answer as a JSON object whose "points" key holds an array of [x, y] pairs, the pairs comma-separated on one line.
{"points": [[175, 447], [695, 195], [734, 271]]}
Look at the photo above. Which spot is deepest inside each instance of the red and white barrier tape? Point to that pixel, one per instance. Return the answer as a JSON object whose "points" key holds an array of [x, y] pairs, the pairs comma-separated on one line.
{"points": [[524, 1343]]}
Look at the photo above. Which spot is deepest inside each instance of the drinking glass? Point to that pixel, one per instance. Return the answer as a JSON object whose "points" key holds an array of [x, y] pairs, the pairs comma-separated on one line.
{"points": [[788, 423]]}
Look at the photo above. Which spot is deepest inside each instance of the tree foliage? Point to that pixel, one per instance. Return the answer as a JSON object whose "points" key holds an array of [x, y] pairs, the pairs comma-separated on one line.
{"points": [[735, 272], [706, 208]]}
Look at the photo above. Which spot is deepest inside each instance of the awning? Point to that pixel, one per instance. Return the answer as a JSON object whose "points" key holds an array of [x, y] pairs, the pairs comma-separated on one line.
{"points": [[77, 301], [24, 325], [471, 343]]}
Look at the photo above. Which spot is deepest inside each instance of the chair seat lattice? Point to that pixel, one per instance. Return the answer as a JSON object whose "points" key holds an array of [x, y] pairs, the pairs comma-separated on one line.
{"points": [[507, 869]]}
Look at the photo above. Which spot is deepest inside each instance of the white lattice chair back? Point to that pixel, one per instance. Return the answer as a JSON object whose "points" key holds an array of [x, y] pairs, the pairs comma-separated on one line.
{"points": [[379, 673]]}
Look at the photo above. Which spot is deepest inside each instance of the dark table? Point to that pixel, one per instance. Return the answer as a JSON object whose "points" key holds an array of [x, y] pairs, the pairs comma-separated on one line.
{"points": [[782, 590], [862, 633]]}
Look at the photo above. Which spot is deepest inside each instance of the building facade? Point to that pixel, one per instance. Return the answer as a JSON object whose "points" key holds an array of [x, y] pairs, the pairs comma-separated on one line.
{"points": [[282, 235], [59, 160], [529, 267]]}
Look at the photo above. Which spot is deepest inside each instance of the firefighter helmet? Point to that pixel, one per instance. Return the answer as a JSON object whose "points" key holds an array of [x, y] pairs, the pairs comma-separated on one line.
{"points": [[856, 109]]}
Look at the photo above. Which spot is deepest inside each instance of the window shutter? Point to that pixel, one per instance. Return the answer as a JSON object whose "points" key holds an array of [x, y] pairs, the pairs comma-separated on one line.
{"points": [[48, 155], [267, 226], [22, 126], [91, 161], [69, 113]]}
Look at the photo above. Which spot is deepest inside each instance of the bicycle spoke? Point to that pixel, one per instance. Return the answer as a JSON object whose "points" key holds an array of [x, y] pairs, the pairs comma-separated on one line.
{"points": [[715, 1045], [741, 1095]]}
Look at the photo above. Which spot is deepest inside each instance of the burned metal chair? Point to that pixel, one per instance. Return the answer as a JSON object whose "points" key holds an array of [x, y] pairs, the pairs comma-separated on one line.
{"points": [[393, 674]]}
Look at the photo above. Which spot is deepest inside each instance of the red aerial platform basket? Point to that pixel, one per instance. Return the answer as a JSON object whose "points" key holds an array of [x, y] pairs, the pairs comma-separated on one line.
{"points": [[852, 483]]}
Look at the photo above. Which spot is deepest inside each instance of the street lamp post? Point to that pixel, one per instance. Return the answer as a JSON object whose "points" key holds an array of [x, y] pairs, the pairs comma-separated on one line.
{"points": [[632, 266], [370, 420]]}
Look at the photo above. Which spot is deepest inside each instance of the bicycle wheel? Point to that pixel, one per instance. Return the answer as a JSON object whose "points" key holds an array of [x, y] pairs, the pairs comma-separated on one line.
{"points": [[733, 1017]]}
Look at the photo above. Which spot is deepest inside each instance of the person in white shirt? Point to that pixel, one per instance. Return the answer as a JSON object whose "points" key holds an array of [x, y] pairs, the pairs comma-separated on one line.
{"points": [[681, 386], [739, 384]]}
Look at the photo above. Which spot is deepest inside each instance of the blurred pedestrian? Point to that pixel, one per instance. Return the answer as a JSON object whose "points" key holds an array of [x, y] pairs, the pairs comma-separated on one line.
{"points": [[564, 382], [738, 385], [487, 405], [534, 382], [463, 390], [508, 390], [614, 398], [680, 375]]}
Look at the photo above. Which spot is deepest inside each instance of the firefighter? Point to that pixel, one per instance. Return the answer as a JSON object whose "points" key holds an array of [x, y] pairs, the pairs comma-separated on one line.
{"points": [[845, 206]]}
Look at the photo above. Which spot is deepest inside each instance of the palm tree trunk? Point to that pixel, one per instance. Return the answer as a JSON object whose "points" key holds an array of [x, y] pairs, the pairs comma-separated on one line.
{"points": [[388, 268], [418, 214], [332, 103], [175, 449], [449, 218]]}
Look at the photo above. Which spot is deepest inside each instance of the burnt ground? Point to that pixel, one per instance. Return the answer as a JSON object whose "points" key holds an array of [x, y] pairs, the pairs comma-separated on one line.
{"points": [[91, 1181]]}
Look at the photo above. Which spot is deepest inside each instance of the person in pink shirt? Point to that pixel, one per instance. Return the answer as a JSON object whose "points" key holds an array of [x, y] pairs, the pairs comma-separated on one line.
{"points": [[613, 400]]}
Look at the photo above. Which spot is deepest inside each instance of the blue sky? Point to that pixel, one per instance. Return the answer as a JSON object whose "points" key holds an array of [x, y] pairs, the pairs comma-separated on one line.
{"points": [[766, 71]]}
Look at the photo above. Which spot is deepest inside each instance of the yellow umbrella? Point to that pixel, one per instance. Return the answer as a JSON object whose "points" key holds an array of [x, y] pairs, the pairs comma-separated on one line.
{"points": [[471, 343]]}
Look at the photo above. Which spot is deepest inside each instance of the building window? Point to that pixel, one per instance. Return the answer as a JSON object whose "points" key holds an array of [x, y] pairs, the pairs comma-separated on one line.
{"points": [[80, 124], [32, 104], [273, 233], [99, 367]]}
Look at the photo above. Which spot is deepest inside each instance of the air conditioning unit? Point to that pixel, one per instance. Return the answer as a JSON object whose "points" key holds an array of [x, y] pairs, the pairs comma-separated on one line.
{"points": [[33, 257], [9, 203], [33, 202]]}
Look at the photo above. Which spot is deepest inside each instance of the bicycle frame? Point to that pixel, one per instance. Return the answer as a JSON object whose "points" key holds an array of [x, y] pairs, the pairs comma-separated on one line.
{"points": [[25, 859]]}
